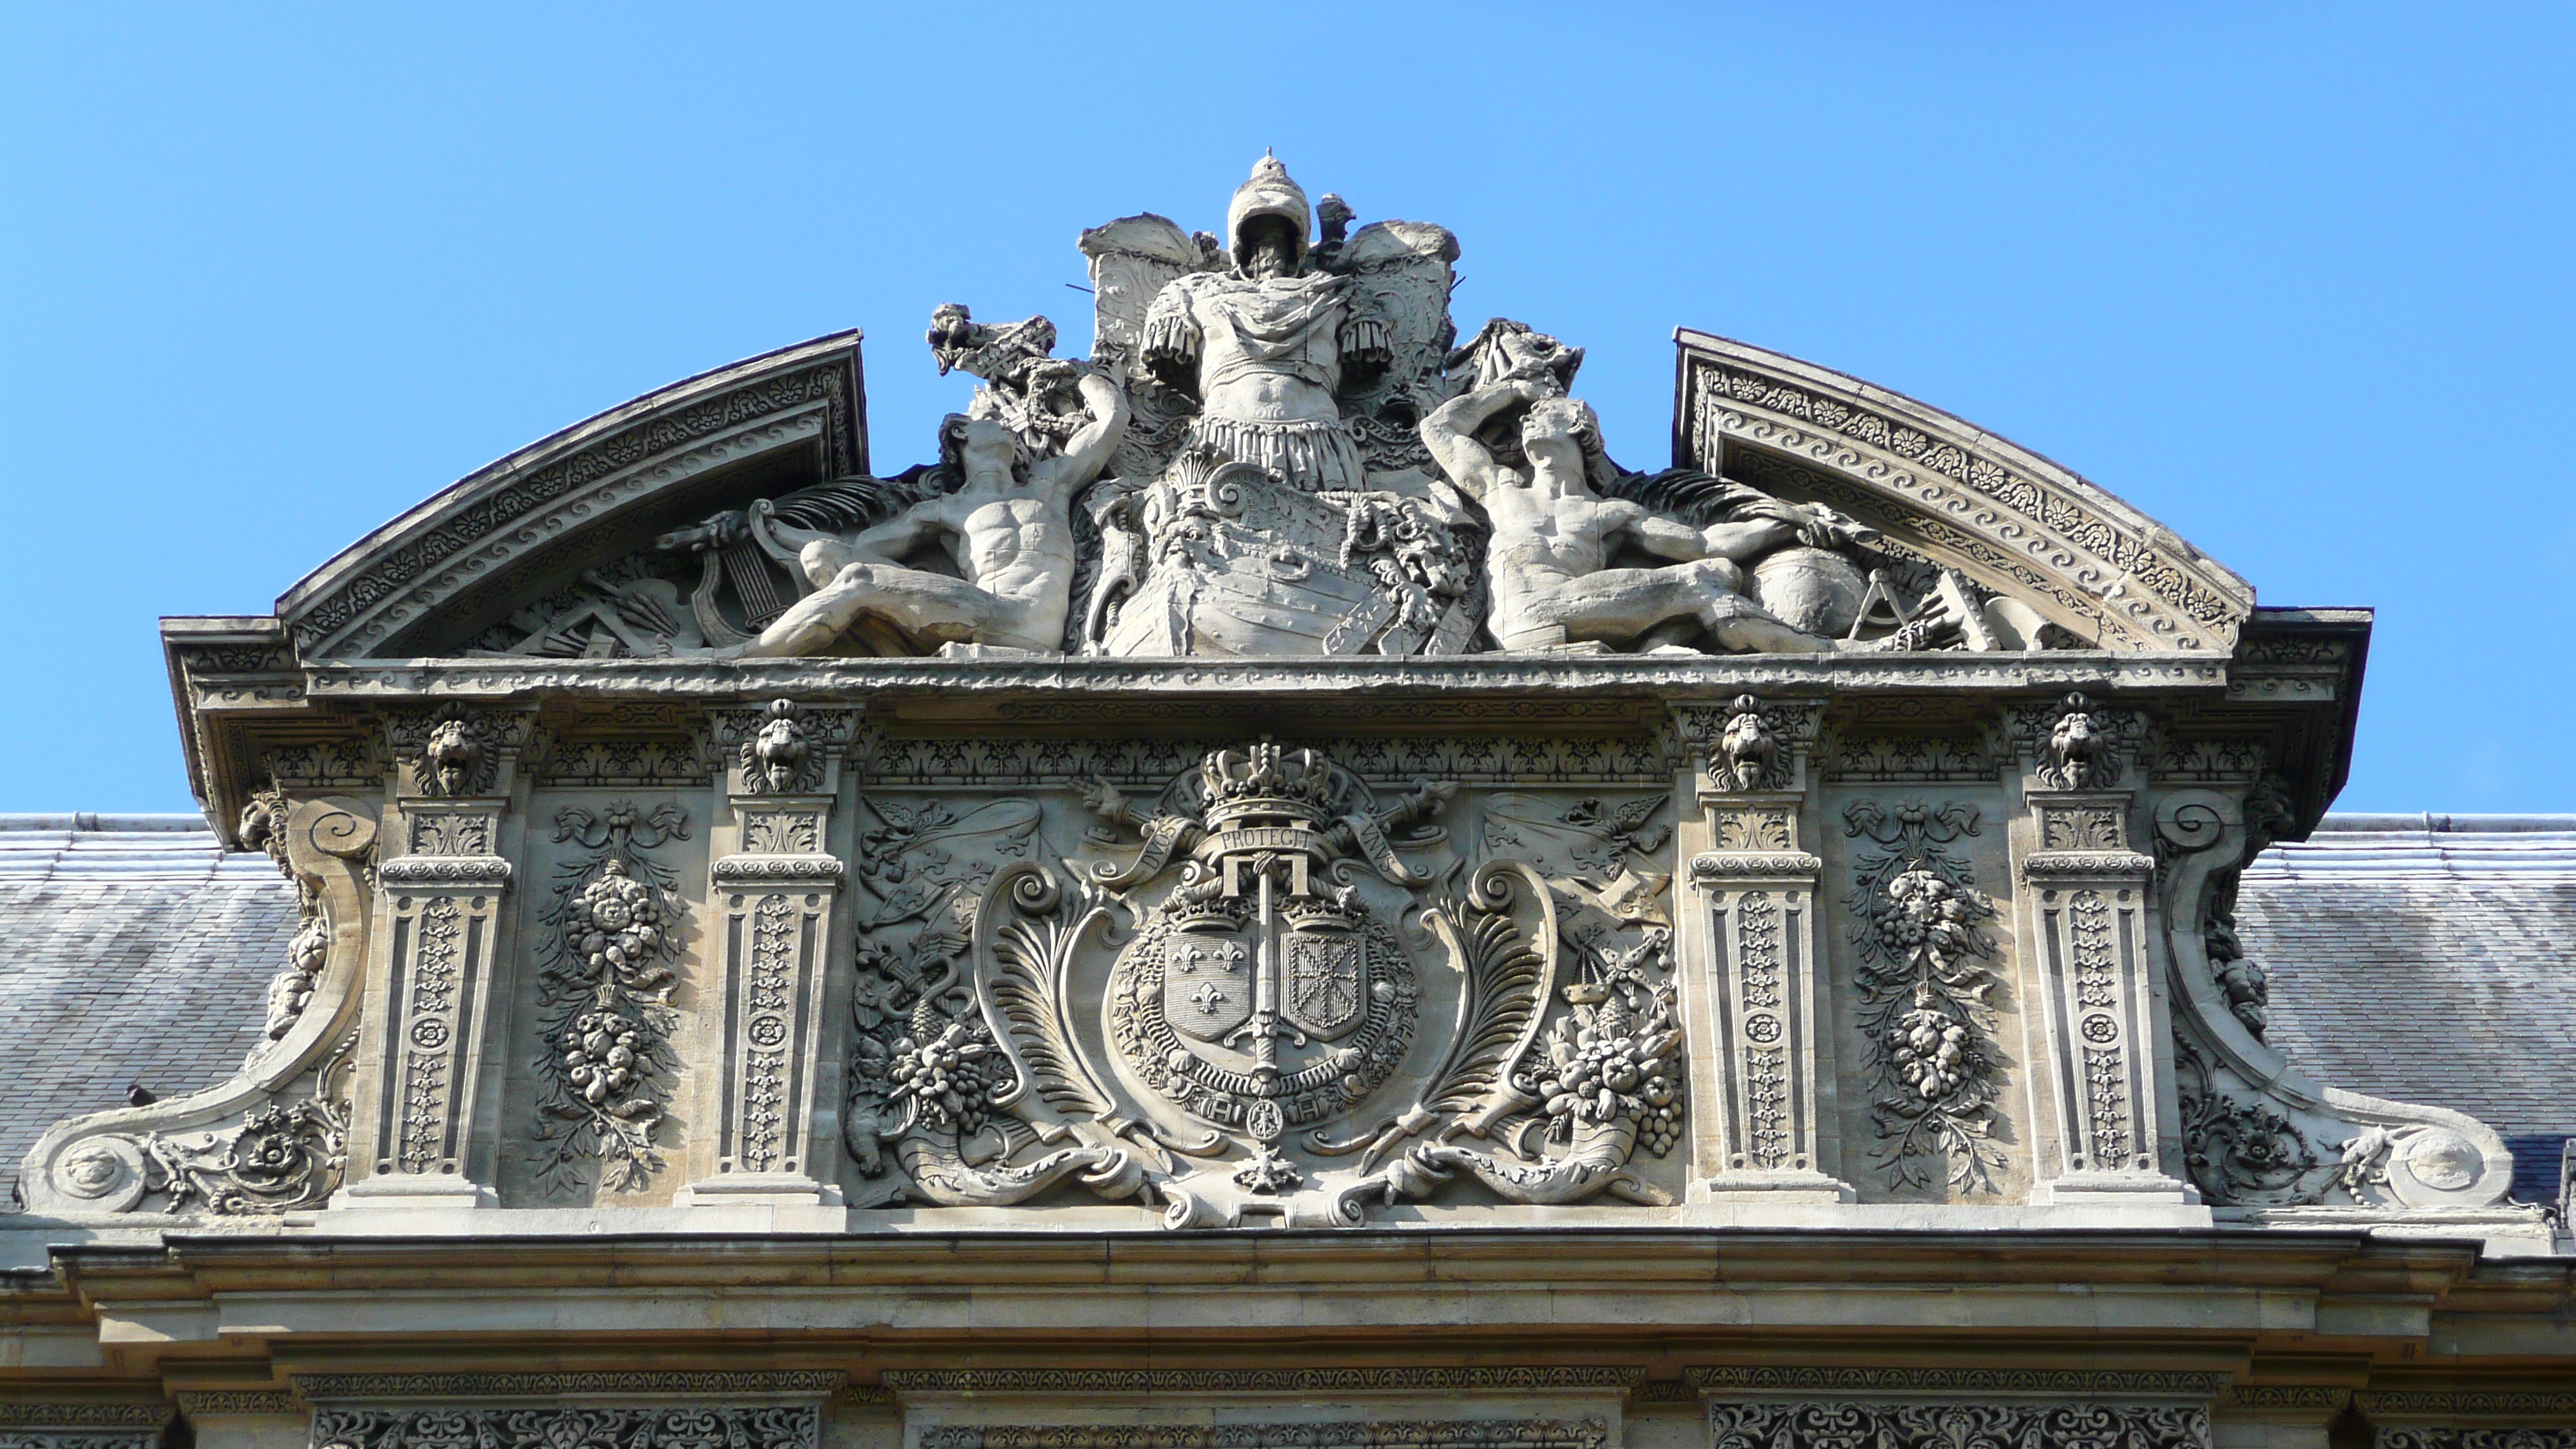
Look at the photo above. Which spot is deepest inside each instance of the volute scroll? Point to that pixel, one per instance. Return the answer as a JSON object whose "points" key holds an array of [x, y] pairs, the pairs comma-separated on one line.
{"points": [[273, 1138]]}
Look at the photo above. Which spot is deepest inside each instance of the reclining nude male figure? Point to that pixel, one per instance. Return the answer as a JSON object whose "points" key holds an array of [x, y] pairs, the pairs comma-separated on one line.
{"points": [[1553, 538], [1012, 540]]}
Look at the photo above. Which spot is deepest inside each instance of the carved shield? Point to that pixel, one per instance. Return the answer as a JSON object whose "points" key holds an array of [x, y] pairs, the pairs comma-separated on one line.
{"points": [[1325, 981], [1207, 984]]}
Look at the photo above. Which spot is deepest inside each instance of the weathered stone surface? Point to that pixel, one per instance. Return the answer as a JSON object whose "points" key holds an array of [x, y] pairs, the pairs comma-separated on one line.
{"points": [[1272, 894]]}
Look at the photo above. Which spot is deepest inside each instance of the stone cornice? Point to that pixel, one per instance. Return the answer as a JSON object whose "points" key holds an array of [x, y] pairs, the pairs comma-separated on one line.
{"points": [[1656, 1260], [1257, 1381], [2090, 1383], [327, 1388], [1710, 678]]}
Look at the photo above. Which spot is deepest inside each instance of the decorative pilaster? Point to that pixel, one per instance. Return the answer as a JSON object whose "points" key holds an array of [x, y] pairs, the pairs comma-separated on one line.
{"points": [[773, 898], [442, 939], [1753, 941], [2097, 1072]]}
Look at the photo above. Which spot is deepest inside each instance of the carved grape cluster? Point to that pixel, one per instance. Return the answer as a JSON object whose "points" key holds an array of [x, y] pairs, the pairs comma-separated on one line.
{"points": [[603, 1059], [949, 1078], [617, 928], [1610, 1059]]}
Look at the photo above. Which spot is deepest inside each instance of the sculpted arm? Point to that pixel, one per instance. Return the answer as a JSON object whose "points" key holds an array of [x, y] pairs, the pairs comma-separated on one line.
{"points": [[1665, 537], [1450, 435], [1088, 451], [889, 541]]}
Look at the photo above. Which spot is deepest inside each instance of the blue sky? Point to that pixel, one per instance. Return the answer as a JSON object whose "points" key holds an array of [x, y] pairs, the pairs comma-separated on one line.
{"points": [[2295, 280]]}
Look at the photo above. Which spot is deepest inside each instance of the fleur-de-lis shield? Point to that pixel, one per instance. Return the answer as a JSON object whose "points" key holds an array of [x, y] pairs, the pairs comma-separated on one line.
{"points": [[1207, 983]]}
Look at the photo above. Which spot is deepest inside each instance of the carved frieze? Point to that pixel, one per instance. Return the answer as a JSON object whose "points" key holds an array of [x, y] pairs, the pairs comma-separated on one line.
{"points": [[1413, 1433], [1864, 1423], [660, 1425], [30, 1425]]}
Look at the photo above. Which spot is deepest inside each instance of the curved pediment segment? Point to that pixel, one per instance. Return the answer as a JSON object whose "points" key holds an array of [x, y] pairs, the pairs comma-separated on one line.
{"points": [[532, 522], [2008, 518]]}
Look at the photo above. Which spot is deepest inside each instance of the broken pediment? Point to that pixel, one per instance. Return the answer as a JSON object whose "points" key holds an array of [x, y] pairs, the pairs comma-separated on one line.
{"points": [[1307, 463], [1278, 770]]}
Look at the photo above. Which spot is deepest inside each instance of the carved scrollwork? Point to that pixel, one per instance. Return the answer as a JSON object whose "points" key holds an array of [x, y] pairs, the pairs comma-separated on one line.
{"points": [[669, 1426], [273, 1138], [1880, 1424]]}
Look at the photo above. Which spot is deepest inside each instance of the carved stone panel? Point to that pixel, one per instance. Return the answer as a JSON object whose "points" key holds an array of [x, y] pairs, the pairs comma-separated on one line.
{"points": [[83, 1426], [1265, 987], [1929, 1019], [679, 1410]]}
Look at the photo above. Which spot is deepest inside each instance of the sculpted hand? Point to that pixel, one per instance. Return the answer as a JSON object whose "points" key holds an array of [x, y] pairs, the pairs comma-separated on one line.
{"points": [[1105, 799], [720, 531]]}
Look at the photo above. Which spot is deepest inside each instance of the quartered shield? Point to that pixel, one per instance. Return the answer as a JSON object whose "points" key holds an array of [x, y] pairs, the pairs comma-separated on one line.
{"points": [[1324, 981], [1207, 984]]}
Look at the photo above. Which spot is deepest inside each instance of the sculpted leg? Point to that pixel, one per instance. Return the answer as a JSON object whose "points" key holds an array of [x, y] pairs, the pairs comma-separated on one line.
{"points": [[927, 608], [1740, 626]]}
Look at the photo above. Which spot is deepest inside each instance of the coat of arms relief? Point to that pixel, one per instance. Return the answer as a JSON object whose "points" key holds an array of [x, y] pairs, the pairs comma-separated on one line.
{"points": [[1267, 989], [1278, 446]]}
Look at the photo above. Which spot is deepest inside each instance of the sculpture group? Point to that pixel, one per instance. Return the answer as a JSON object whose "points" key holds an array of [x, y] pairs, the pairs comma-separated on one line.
{"points": [[1277, 447]]}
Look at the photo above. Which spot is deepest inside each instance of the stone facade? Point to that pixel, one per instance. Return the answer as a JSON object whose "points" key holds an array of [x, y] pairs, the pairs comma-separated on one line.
{"points": [[1274, 894]]}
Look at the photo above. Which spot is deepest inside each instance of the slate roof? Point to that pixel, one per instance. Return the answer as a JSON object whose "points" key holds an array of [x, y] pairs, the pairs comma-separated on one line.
{"points": [[2430, 958], [132, 949], [2427, 958]]}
